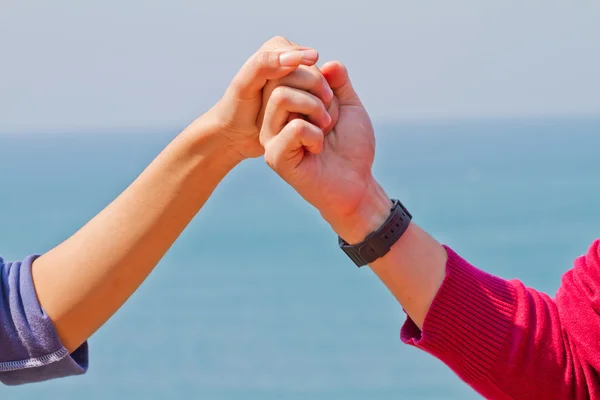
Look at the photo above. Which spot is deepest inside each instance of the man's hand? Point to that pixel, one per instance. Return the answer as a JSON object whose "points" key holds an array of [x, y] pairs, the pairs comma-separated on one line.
{"points": [[333, 171], [235, 118]]}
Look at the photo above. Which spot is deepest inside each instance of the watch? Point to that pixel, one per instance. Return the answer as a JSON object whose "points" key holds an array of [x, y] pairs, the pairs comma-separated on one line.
{"points": [[379, 243]]}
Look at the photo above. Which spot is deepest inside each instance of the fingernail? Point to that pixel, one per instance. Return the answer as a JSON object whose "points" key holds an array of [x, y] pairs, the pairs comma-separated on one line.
{"points": [[291, 58], [329, 92], [310, 55], [327, 119], [294, 58]]}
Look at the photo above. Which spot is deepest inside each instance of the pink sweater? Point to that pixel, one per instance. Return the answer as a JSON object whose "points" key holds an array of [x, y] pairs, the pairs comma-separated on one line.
{"points": [[511, 342]]}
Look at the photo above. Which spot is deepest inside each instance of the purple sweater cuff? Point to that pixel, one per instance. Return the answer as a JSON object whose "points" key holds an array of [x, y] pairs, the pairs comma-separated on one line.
{"points": [[468, 322], [30, 349]]}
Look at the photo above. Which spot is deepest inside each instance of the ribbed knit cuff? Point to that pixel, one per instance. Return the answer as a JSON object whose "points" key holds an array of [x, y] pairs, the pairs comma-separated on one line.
{"points": [[468, 321]]}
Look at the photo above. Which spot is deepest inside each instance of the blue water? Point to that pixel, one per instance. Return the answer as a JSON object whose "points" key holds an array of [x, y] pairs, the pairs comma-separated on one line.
{"points": [[255, 301]]}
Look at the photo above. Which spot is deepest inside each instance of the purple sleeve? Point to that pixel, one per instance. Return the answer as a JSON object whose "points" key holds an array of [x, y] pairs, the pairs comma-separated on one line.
{"points": [[30, 349]]}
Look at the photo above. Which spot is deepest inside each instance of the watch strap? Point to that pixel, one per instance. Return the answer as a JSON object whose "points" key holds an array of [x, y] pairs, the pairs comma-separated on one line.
{"points": [[379, 243]]}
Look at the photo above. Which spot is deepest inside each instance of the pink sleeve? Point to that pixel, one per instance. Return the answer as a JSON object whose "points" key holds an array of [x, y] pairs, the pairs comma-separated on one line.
{"points": [[511, 342]]}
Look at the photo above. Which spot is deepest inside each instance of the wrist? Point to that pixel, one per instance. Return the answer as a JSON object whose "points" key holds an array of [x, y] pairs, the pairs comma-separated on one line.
{"points": [[370, 215], [204, 137]]}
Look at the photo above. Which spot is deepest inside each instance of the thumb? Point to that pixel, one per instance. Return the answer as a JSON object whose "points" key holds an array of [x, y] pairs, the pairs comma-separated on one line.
{"points": [[336, 75], [270, 64]]}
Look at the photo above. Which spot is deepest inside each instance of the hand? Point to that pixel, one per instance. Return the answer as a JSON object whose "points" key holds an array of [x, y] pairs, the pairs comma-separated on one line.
{"points": [[308, 79], [331, 172], [235, 118]]}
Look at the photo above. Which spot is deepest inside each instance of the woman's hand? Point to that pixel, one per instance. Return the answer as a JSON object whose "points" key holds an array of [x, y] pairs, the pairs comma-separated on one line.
{"points": [[236, 117]]}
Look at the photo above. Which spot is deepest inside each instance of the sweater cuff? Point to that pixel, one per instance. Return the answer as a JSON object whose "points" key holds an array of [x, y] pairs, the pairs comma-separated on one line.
{"points": [[468, 322]]}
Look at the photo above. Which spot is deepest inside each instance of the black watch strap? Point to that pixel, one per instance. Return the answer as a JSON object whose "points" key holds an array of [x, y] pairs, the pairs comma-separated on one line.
{"points": [[379, 243]]}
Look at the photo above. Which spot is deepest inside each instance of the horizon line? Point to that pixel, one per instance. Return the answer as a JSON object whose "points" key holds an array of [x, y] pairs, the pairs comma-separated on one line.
{"points": [[407, 121]]}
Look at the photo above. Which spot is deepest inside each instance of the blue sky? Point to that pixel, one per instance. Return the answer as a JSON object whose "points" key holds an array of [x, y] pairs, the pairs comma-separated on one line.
{"points": [[90, 66]]}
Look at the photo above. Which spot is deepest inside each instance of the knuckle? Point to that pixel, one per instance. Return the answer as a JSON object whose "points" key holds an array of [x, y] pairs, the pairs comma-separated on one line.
{"points": [[298, 127], [279, 39], [266, 60], [273, 59], [260, 60], [276, 42], [280, 96]]}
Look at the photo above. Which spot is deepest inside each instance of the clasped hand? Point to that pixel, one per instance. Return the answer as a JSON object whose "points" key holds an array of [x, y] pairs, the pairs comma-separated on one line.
{"points": [[313, 129]]}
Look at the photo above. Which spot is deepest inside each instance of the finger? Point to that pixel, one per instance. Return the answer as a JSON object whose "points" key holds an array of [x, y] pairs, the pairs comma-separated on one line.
{"points": [[309, 79], [305, 78], [336, 75], [284, 101], [269, 64], [294, 116], [282, 44], [286, 149], [334, 112], [277, 42]]}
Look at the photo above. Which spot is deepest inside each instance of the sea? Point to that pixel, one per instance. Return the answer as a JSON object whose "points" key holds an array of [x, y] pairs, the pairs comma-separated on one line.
{"points": [[255, 300]]}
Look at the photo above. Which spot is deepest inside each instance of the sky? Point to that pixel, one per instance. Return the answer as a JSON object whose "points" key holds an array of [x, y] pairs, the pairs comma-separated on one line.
{"points": [[89, 66]]}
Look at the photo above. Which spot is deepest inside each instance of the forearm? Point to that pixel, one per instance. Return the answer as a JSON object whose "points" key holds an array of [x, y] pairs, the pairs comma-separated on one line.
{"points": [[413, 271], [82, 282], [497, 335], [414, 268]]}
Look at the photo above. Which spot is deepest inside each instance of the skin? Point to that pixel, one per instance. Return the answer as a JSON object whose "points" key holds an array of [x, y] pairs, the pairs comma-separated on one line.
{"points": [[83, 281], [333, 173]]}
